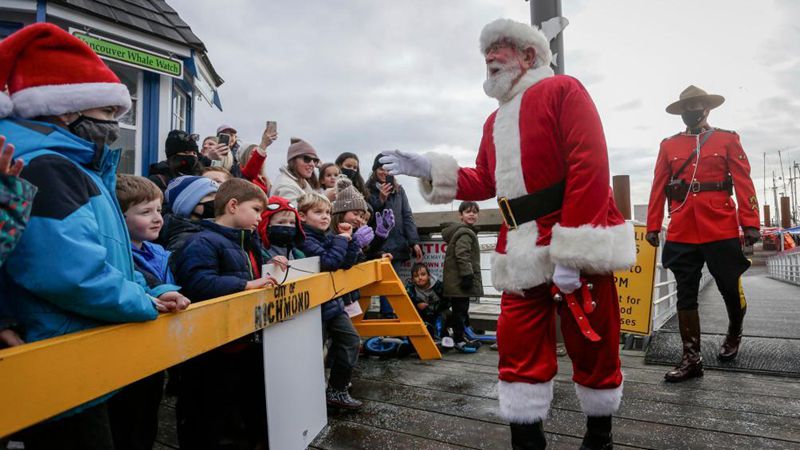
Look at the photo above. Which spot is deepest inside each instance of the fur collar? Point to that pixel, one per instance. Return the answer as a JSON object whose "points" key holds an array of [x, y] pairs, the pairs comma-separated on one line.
{"points": [[531, 77]]}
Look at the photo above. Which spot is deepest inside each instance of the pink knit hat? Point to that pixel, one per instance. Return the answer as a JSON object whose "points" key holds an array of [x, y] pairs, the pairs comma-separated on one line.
{"points": [[299, 147]]}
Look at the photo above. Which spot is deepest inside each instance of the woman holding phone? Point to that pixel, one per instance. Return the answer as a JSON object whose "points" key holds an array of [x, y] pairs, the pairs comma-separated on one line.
{"points": [[403, 240]]}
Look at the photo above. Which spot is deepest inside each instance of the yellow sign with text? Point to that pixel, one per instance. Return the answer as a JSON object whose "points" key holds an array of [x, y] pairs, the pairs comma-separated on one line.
{"points": [[635, 288]]}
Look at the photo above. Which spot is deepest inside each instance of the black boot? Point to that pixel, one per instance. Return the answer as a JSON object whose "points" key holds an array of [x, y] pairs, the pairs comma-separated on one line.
{"points": [[691, 365], [528, 436], [598, 434], [730, 346]]}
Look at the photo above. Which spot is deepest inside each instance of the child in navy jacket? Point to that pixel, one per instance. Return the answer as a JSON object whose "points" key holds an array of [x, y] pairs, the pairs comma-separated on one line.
{"points": [[223, 259], [336, 251]]}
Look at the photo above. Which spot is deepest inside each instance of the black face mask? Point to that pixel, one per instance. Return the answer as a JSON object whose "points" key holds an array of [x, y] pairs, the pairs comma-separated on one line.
{"points": [[208, 209], [184, 163], [692, 118], [349, 173], [281, 235], [100, 132]]}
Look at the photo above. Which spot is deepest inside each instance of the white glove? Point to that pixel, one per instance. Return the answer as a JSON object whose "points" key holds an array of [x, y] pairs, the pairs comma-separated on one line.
{"points": [[567, 279], [405, 163]]}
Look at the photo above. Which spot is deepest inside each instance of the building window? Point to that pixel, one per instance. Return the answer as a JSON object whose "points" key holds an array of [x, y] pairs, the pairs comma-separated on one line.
{"points": [[180, 109], [127, 123]]}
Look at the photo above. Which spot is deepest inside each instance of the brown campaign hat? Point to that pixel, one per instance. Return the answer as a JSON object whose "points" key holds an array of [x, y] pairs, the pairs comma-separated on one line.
{"points": [[695, 93]]}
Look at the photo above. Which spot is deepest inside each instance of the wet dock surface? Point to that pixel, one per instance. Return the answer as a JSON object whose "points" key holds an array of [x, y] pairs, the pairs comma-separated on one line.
{"points": [[452, 403], [771, 338]]}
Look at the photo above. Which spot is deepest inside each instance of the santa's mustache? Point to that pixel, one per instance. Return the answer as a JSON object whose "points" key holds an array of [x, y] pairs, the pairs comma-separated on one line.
{"points": [[496, 68]]}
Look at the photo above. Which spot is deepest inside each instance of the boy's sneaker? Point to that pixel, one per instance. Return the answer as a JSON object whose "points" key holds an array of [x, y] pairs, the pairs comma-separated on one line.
{"points": [[340, 398], [464, 347], [447, 342]]}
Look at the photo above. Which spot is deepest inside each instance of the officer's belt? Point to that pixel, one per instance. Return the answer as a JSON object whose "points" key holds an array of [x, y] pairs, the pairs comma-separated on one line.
{"points": [[528, 208], [712, 186]]}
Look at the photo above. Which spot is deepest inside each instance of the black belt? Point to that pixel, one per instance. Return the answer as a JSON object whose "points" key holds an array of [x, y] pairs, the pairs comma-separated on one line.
{"points": [[713, 186], [528, 208]]}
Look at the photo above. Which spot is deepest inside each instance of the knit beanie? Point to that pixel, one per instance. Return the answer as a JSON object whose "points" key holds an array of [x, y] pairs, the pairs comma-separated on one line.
{"points": [[347, 197], [377, 162], [179, 141], [184, 193], [299, 147]]}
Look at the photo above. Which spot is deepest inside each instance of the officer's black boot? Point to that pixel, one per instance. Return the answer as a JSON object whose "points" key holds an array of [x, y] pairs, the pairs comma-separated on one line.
{"points": [[691, 365], [598, 434], [528, 436], [730, 346]]}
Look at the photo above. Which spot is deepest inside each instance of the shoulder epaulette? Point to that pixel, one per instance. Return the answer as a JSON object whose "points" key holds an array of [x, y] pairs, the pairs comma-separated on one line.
{"points": [[670, 137], [726, 131]]}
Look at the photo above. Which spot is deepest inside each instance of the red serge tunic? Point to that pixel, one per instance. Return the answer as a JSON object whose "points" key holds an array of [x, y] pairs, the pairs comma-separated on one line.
{"points": [[547, 131], [709, 215]]}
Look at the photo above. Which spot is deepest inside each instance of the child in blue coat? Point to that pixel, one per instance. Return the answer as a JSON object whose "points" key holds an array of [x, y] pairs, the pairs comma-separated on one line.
{"points": [[133, 412], [336, 250]]}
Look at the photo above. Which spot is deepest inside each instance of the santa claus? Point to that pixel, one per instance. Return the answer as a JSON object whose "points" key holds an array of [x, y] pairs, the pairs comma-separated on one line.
{"points": [[543, 155]]}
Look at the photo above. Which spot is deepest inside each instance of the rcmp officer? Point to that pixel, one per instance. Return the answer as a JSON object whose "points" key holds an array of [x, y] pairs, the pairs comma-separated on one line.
{"points": [[697, 172]]}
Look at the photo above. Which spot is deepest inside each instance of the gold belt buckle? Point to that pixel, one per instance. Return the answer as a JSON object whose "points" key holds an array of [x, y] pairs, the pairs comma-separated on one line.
{"points": [[508, 215]]}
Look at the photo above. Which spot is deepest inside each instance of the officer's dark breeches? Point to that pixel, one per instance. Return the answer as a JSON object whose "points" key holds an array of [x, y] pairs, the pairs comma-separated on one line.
{"points": [[725, 261]]}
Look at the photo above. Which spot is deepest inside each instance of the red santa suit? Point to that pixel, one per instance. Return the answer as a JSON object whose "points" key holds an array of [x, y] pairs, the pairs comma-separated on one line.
{"points": [[549, 131]]}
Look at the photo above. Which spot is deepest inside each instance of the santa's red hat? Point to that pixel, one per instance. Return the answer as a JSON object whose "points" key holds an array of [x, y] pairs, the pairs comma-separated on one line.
{"points": [[48, 72], [520, 34]]}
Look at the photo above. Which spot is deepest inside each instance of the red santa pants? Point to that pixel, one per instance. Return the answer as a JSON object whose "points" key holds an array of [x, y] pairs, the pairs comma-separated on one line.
{"points": [[526, 340]]}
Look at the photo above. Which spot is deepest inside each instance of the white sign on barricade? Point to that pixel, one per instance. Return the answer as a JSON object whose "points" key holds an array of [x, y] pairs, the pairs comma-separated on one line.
{"points": [[432, 256], [294, 373]]}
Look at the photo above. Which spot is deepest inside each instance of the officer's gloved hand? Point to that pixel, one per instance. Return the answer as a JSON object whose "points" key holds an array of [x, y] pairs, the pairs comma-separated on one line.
{"points": [[397, 162], [751, 235], [652, 238], [567, 279]]}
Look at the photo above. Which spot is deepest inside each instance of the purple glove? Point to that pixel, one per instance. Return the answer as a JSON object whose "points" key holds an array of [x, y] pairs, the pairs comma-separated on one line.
{"points": [[364, 236], [384, 223]]}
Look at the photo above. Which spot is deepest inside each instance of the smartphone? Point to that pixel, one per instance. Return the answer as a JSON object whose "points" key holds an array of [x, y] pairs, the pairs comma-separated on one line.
{"points": [[390, 179], [272, 126], [224, 138], [216, 163]]}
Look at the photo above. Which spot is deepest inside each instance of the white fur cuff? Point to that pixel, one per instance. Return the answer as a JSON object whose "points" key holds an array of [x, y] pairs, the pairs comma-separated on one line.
{"points": [[6, 105], [594, 249], [443, 187], [524, 402], [599, 402]]}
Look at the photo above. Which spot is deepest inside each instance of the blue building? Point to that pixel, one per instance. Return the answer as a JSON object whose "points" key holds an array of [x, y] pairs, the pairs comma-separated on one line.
{"points": [[150, 48]]}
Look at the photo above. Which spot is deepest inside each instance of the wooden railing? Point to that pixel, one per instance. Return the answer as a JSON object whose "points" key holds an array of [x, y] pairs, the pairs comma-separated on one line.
{"points": [[42, 379]]}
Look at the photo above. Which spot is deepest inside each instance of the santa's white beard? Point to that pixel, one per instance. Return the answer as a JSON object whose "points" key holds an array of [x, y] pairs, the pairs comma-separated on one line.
{"points": [[498, 85]]}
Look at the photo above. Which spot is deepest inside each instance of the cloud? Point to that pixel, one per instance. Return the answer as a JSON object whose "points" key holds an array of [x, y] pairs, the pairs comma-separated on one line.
{"points": [[365, 76]]}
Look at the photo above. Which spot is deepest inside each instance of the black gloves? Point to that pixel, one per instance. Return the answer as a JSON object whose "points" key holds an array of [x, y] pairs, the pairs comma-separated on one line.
{"points": [[751, 235], [652, 238]]}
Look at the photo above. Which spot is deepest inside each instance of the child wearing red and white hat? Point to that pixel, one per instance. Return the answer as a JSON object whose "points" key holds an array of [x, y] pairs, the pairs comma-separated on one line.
{"points": [[72, 270]]}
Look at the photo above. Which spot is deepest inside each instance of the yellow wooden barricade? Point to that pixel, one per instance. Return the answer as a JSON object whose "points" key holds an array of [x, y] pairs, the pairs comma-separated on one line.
{"points": [[42, 379]]}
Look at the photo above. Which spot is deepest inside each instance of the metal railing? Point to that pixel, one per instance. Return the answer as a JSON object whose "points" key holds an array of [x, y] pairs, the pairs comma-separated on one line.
{"points": [[785, 266]]}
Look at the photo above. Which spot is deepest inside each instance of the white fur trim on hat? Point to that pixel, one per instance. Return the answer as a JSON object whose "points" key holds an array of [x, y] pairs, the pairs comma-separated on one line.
{"points": [[524, 265], [524, 402], [594, 249], [521, 34], [599, 402], [56, 99], [6, 105], [443, 187]]}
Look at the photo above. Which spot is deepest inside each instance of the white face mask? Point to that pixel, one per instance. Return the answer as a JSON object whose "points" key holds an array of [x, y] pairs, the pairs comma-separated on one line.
{"points": [[498, 85]]}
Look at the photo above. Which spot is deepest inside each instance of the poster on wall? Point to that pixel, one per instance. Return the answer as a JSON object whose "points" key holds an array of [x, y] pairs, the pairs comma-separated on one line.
{"points": [[432, 256]]}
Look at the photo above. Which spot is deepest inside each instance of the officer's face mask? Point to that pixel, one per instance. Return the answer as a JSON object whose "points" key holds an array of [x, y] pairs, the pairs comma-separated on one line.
{"points": [[100, 132], [208, 209], [184, 163], [693, 118]]}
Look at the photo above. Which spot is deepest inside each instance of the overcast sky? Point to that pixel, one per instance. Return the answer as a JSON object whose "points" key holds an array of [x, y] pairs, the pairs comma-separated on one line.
{"points": [[365, 76]]}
